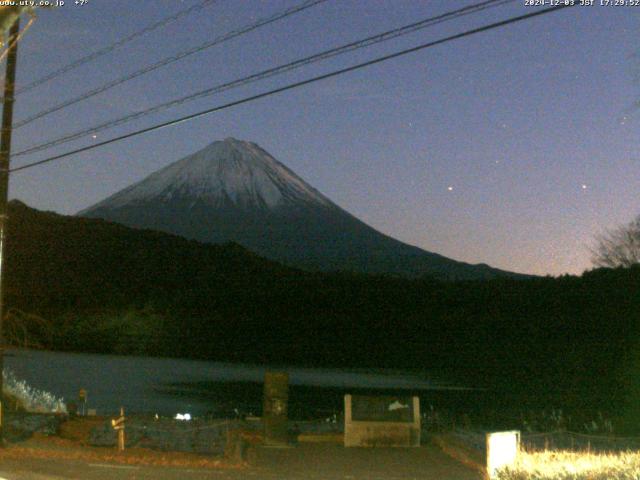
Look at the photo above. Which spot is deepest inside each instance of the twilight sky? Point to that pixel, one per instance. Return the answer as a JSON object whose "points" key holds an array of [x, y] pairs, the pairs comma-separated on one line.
{"points": [[512, 147]]}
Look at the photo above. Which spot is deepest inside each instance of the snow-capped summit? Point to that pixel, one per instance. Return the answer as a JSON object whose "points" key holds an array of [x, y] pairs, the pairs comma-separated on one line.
{"points": [[226, 173], [234, 191]]}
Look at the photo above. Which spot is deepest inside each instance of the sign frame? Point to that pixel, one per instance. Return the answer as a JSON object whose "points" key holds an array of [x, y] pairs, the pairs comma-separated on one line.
{"points": [[377, 433]]}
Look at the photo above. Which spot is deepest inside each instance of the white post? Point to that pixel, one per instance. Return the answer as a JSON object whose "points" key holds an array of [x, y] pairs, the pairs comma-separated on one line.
{"points": [[502, 450]]}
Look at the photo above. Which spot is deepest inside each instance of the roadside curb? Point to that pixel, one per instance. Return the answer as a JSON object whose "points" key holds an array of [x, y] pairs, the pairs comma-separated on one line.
{"points": [[461, 453]]}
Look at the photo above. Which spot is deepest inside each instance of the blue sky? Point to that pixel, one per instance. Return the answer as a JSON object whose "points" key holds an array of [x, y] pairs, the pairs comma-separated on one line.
{"points": [[513, 147]]}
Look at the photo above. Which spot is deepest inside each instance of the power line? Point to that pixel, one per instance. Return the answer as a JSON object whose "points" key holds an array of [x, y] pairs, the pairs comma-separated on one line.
{"points": [[366, 42], [103, 51], [169, 60], [296, 85]]}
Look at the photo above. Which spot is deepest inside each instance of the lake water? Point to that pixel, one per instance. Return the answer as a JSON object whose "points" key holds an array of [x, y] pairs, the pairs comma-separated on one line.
{"points": [[167, 386]]}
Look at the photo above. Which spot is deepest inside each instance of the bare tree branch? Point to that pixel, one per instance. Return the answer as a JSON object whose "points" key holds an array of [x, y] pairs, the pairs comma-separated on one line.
{"points": [[619, 247]]}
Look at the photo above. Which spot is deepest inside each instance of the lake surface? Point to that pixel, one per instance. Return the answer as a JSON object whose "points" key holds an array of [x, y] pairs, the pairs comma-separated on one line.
{"points": [[167, 386]]}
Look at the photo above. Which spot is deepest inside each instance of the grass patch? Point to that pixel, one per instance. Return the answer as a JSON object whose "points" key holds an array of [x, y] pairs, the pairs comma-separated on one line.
{"points": [[563, 465], [20, 396]]}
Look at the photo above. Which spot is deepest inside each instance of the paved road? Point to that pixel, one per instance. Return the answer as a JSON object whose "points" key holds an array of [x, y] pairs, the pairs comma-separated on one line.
{"points": [[306, 461]]}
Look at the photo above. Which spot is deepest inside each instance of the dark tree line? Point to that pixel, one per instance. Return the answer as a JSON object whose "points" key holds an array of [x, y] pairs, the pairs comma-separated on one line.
{"points": [[568, 341]]}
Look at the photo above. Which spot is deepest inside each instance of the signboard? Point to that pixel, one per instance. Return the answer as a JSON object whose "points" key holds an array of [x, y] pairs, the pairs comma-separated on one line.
{"points": [[381, 409], [390, 421]]}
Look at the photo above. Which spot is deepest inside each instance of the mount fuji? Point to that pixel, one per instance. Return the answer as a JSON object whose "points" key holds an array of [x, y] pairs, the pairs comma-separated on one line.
{"points": [[234, 191]]}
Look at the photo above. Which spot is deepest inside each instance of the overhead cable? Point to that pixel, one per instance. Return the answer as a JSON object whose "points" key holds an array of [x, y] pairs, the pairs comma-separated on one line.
{"points": [[169, 60], [292, 86], [117, 44], [278, 70]]}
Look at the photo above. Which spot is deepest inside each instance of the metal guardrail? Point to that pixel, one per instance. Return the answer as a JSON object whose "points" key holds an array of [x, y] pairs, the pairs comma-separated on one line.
{"points": [[575, 441], [555, 440]]}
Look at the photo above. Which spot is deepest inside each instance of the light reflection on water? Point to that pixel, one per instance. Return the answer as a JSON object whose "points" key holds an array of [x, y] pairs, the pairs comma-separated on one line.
{"points": [[143, 384]]}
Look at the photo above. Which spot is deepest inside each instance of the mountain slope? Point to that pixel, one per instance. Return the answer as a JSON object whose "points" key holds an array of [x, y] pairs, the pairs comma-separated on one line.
{"points": [[235, 191], [56, 262]]}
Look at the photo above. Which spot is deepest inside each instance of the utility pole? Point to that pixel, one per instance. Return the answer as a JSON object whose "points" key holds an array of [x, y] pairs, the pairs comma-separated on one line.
{"points": [[5, 154]]}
